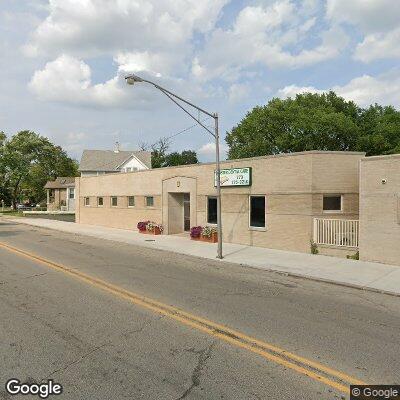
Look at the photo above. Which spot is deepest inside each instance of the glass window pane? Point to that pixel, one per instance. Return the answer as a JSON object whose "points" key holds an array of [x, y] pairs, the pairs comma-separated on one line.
{"points": [[212, 210], [114, 201], [332, 203], [131, 201], [100, 201], [71, 193], [257, 211], [149, 201]]}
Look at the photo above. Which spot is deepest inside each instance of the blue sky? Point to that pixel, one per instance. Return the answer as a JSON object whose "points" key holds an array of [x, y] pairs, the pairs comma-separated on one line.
{"points": [[63, 63]]}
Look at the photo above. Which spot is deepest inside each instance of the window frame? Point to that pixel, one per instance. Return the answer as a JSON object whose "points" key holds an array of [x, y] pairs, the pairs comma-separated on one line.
{"points": [[332, 211], [86, 203], [134, 201], [145, 201], [71, 190], [258, 228], [211, 223], [111, 201], [98, 203]]}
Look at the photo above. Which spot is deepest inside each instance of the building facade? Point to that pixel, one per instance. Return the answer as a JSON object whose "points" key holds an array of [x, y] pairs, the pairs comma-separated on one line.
{"points": [[61, 194], [380, 209], [267, 201]]}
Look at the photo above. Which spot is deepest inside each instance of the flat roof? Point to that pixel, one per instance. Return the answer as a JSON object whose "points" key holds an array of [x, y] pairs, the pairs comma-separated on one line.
{"points": [[382, 157], [299, 153]]}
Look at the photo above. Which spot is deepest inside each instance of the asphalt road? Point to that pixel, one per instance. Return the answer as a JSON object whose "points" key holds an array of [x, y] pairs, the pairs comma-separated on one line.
{"points": [[100, 344]]}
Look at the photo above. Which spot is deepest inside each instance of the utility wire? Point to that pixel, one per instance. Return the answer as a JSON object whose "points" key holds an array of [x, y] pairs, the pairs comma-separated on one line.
{"points": [[168, 138]]}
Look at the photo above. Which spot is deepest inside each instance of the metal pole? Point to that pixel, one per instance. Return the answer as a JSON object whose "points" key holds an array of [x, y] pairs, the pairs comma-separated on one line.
{"points": [[219, 209]]}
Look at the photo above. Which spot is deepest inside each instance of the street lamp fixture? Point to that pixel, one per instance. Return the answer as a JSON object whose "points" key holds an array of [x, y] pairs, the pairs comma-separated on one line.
{"points": [[132, 79]]}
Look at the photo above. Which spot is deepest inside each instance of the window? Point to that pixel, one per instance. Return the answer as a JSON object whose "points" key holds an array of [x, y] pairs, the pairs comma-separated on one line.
{"points": [[128, 169], [257, 211], [71, 193], [211, 210], [149, 201], [131, 201], [114, 201], [87, 201], [100, 201], [332, 203]]}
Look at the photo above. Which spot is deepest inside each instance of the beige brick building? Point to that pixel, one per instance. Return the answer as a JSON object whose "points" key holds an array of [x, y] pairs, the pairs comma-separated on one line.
{"points": [[276, 209], [380, 209]]}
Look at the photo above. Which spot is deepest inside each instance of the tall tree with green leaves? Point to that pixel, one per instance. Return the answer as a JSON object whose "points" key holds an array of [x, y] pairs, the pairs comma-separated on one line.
{"points": [[28, 161], [186, 157], [315, 122], [161, 158]]}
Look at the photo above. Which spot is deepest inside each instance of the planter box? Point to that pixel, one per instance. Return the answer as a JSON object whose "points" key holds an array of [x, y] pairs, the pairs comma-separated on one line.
{"points": [[155, 232], [212, 239]]}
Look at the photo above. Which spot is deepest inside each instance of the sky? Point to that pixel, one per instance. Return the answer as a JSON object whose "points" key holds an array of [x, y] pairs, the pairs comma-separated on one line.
{"points": [[63, 63]]}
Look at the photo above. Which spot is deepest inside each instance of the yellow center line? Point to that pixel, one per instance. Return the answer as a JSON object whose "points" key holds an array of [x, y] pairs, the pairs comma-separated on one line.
{"points": [[304, 366]]}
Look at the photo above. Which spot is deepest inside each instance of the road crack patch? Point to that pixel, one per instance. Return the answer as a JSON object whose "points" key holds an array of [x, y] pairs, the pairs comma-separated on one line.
{"points": [[203, 355]]}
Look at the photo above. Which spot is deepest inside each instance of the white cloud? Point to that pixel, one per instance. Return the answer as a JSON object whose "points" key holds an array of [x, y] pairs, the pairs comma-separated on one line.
{"points": [[368, 15], [90, 28], [267, 36], [378, 46], [292, 90], [377, 20], [238, 92], [68, 79], [207, 151], [364, 90]]}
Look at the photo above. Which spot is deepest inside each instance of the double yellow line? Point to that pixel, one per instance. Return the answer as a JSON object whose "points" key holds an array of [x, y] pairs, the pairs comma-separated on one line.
{"points": [[314, 370]]}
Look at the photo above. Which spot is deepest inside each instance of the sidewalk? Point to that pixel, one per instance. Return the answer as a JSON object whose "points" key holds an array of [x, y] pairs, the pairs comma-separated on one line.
{"points": [[360, 274]]}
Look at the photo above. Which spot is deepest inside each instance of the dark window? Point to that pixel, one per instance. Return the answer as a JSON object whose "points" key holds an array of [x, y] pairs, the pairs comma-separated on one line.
{"points": [[114, 201], [212, 210], [257, 211], [332, 203], [131, 201], [71, 193], [87, 201], [149, 201], [100, 201]]}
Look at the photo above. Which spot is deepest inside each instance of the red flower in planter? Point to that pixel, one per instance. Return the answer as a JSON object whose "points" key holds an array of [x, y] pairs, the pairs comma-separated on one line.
{"points": [[195, 231], [142, 225]]}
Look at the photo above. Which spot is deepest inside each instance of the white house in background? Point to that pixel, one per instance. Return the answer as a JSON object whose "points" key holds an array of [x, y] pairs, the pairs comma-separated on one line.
{"points": [[98, 162]]}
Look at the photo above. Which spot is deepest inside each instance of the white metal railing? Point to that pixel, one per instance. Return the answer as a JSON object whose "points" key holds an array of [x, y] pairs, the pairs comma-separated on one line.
{"points": [[336, 232]]}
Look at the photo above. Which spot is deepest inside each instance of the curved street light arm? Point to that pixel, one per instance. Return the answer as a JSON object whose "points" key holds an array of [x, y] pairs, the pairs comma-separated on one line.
{"points": [[186, 111], [178, 97]]}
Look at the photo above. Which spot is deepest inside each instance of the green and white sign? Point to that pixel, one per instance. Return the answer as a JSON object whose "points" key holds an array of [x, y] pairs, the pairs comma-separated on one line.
{"points": [[234, 177]]}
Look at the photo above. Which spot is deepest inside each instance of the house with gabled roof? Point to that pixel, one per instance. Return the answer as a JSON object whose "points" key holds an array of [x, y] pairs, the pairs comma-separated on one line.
{"points": [[61, 194], [99, 162]]}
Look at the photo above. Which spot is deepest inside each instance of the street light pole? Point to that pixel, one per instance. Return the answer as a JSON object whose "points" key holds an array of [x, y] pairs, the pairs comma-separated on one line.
{"points": [[132, 79], [218, 168]]}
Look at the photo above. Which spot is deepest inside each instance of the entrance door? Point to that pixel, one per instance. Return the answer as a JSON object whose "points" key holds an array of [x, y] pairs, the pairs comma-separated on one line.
{"points": [[186, 211]]}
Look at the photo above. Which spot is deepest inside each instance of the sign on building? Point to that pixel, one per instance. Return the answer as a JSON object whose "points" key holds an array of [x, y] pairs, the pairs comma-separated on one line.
{"points": [[234, 177]]}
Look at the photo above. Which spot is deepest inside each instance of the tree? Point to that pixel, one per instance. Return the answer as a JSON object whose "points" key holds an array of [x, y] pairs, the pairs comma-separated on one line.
{"points": [[161, 158], [158, 152], [185, 158], [380, 130], [4, 192], [315, 122], [28, 161]]}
